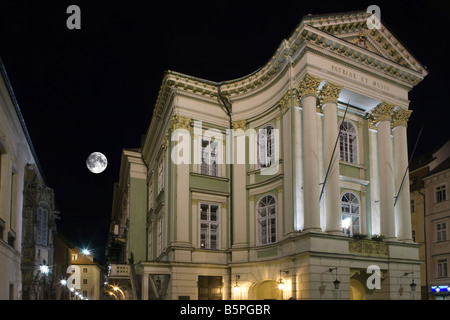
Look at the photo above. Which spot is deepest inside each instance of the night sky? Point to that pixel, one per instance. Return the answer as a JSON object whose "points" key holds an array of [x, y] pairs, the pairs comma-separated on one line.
{"points": [[94, 89]]}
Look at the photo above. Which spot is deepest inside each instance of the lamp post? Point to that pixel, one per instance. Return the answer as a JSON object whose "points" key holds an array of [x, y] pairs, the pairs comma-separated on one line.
{"points": [[43, 268], [64, 286]]}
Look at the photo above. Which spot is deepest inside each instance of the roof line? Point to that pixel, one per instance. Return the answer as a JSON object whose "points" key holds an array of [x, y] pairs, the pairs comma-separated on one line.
{"points": [[21, 119]]}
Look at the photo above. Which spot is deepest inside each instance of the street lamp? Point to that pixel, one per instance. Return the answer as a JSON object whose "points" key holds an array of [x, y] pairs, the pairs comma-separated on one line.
{"points": [[64, 286], [237, 289], [412, 284], [86, 252], [280, 282], [116, 288], [335, 282]]}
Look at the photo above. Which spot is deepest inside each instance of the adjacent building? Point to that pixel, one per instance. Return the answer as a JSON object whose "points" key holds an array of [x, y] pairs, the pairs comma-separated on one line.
{"points": [[86, 277], [287, 183], [429, 180], [27, 207]]}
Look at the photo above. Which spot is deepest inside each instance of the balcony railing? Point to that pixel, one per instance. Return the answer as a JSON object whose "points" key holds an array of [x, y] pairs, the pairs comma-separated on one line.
{"points": [[119, 271], [368, 248]]}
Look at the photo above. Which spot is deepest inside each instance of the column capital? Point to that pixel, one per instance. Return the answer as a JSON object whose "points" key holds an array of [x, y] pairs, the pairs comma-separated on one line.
{"points": [[329, 93], [382, 112], [179, 122], [308, 86], [400, 117], [239, 124], [285, 101]]}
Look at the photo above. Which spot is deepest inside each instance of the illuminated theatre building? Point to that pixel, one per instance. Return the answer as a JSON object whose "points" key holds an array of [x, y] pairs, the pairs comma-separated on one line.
{"points": [[215, 230]]}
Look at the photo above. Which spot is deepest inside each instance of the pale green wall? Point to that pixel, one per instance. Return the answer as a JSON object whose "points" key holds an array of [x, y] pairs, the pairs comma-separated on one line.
{"points": [[138, 218]]}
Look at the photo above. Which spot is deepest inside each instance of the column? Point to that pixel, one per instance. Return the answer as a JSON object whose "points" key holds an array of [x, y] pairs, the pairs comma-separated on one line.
{"points": [[308, 91], [402, 206], [329, 95], [239, 191], [382, 116], [180, 137]]}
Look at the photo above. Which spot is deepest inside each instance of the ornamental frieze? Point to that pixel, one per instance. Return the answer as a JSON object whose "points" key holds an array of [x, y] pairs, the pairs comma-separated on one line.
{"points": [[368, 248]]}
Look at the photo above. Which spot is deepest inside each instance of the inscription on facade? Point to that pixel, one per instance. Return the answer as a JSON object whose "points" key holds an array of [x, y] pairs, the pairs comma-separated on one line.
{"points": [[359, 77]]}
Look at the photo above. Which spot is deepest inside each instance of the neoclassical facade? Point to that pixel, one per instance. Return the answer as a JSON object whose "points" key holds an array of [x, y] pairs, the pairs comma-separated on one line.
{"points": [[279, 183], [27, 208]]}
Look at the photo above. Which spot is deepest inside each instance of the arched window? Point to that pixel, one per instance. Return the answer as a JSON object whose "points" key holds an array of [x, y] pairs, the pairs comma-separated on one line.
{"points": [[348, 142], [350, 213], [41, 226], [267, 220], [266, 146]]}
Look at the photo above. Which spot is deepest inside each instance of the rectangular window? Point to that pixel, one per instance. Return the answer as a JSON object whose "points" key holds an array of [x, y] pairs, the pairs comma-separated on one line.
{"points": [[84, 293], [209, 155], [74, 257], [441, 193], [150, 192], [413, 209], [85, 281], [442, 268], [150, 242], [441, 232], [160, 236], [160, 176], [209, 226], [85, 270]]}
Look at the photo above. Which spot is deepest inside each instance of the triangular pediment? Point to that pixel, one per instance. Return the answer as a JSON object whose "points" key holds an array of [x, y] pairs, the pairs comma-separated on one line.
{"points": [[352, 27]]}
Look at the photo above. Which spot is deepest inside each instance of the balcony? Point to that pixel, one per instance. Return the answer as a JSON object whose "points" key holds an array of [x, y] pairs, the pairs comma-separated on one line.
{"points": [[119, 271]]}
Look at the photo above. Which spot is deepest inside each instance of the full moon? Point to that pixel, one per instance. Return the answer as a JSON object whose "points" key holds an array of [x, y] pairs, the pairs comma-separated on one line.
{"points": [[96, 162]]}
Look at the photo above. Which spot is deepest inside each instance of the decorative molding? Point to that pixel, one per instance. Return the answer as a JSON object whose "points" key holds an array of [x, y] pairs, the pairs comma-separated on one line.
{"points": [[400, 117], [194, 202], [223, 205], [329, 93], [166, 139], [251, 197], [280, 189], [308, 86]]}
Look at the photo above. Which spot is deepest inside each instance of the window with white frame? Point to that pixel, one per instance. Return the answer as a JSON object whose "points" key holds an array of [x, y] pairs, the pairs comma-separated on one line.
{"points": [[267, 220], [441, 231], [160, 176], [209, 155], [266, 146], [350, 213], [209, 226], [348, 142], [150, 192], [441, 193], [159, 240], [442, 268]]}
